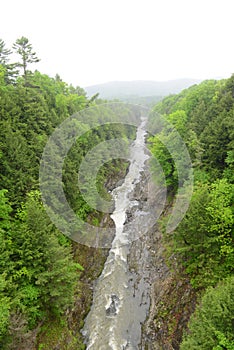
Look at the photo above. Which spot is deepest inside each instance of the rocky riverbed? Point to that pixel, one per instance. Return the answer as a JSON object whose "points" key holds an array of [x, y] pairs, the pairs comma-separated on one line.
{"points": [[172, 299], [170, 296], [167, 291]]}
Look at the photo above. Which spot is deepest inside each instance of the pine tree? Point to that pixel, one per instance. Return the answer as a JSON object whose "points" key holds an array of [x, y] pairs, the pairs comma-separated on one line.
{"points": [[5, 264], [211, 326], [46, 272], [10, 73], [4, 53], [25, 50]]}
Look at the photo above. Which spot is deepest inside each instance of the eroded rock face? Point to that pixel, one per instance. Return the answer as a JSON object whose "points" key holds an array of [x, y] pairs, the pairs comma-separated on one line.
{"points": [[117, 281], [146, 255], [93, 260], [117, 180], [172, 299]]}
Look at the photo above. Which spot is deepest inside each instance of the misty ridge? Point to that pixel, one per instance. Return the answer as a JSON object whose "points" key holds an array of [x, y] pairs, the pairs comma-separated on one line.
{"points": [[144, 90]]}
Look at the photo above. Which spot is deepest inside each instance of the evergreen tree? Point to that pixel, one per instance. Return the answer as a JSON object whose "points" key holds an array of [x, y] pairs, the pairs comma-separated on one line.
{"points": [[4, 53], [212, 325], [28, 56], [5, 264], [10, 73], [45, 270]]}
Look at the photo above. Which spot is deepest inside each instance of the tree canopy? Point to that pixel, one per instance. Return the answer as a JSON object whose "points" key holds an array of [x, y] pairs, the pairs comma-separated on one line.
{"points": [[38, 272], [203, 241]]}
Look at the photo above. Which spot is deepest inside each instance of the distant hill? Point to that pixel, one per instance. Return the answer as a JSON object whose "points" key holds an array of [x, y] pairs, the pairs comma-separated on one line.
{"points": [[132, 90]]}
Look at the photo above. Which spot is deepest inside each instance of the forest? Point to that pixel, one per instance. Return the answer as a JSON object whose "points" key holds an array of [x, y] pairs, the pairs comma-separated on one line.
{"points": [[203, 241], [39, 273], [40, 268]]}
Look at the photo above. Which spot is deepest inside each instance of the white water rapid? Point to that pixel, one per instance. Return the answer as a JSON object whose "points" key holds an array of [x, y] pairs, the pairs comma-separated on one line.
{"points": [[119, 308]]}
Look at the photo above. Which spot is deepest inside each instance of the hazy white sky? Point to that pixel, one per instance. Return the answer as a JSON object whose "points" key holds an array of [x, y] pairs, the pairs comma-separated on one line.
{"points": [[94, 41]]}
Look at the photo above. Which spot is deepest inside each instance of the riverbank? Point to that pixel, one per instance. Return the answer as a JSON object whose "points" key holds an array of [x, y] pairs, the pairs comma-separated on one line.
{"points": [[172, 299], [119, 308], [64, 333]]}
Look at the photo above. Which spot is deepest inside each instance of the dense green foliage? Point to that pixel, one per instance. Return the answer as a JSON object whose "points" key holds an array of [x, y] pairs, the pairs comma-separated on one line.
{"points": [[204, 239], [211, 326], [38, 275], [203, 242], [203, 115]]}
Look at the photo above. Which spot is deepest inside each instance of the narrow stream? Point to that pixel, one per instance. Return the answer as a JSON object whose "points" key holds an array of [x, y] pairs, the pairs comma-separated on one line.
{"points": [[119, 307]]}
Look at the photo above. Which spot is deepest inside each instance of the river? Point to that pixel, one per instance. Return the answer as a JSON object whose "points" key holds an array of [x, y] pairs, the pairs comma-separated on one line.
{"points": [[121, 300]]}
